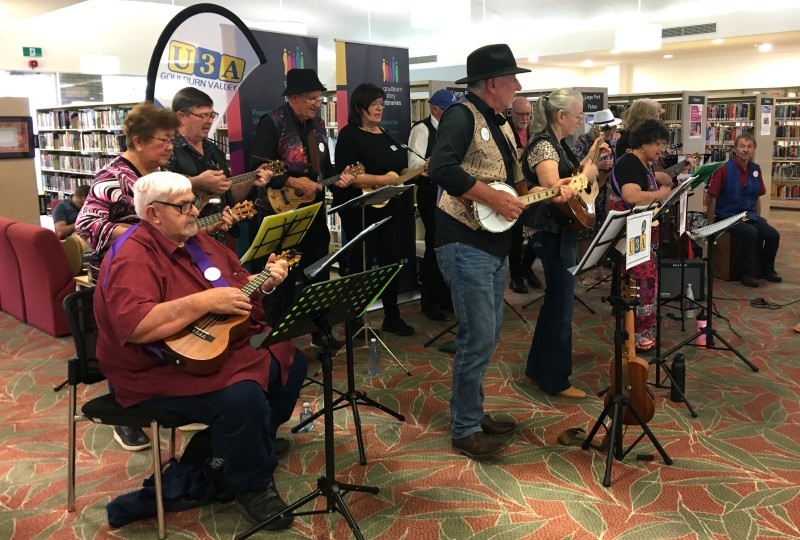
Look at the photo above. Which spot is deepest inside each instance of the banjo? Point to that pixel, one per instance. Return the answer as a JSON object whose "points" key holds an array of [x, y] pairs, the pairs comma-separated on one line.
{"points": [[491, 221]]}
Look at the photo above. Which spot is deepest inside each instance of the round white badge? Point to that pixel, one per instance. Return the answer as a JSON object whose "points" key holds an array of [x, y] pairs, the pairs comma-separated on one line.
{"points": [[755, 174], [321, 147], [485, 134], [212, 273]]}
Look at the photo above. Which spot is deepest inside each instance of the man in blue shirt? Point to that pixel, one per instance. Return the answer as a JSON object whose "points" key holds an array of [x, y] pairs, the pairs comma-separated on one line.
{"points": [[65, 214]]}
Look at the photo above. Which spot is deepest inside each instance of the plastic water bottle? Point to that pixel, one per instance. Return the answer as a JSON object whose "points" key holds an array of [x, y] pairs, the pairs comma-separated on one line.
{"points": [[678, 372], [306, 413], [688, 303], [373, 358], [700, 323]]}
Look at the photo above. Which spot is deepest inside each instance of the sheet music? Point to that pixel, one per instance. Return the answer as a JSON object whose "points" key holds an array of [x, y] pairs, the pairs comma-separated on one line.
{"points": [[719, 226]]}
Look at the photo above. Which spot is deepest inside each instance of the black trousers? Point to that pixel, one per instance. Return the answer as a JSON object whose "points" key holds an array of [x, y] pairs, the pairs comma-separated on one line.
{"points": [[750, 232], [434, 292]]}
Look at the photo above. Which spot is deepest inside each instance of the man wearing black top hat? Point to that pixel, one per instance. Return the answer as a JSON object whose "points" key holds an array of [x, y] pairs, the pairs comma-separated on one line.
{"points": [[475, 146], [295, 134]]}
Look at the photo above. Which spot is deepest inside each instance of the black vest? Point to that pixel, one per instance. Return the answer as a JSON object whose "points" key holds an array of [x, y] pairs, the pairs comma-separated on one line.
{"points": [[431, 135], [546, 216]]}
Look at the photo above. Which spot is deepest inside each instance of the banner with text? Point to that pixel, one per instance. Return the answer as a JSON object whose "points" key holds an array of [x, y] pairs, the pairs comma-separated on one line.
{"points": [[207, 47], [263, 89]]}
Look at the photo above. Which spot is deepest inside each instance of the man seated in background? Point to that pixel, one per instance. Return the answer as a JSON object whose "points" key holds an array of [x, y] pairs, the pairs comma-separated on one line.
{"points": [[65, 214], [150, 286]]}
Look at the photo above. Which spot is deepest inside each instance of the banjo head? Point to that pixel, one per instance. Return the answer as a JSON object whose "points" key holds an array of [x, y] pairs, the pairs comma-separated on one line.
{"points": [[488, 218]]}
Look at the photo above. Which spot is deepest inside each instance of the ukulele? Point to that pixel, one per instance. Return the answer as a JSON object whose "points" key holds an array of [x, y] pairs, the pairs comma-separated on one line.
{"points": [[491, 221], [204, 197], [242, 210], [674, 169], [285, 199], [577, 209], [202, 347], [635, 371], [405, 177]]}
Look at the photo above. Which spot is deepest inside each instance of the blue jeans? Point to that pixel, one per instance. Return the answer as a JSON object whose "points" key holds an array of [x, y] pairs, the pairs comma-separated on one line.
{"points": [[476, 280], [243, 419], [550, 357]]}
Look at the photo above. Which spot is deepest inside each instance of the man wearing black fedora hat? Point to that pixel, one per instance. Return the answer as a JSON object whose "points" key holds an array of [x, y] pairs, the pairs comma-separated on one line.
{"points": [[475, 146], [295, 134]]}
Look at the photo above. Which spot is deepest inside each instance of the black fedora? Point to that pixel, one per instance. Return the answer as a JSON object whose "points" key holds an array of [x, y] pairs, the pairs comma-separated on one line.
{"points": [[491, 61], [300, 81]]}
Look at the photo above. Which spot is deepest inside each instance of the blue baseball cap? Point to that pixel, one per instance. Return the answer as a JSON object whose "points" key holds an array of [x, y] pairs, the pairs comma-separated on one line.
{"points": [[443, 98]]}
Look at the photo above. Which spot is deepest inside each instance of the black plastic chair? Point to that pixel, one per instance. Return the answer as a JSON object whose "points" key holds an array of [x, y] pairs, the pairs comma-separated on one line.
{"points": [[83, 369]]}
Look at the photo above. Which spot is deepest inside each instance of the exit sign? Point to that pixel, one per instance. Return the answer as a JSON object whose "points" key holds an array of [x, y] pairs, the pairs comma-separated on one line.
{"points": [[32, 52]]}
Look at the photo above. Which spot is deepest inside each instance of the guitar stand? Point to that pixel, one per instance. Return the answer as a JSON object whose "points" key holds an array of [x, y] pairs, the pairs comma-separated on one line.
{"points": [[616, 405], [349, 398], [327, 485]]}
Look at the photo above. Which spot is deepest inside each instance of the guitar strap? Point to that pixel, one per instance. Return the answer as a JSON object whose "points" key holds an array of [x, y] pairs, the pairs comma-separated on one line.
{"points": [[203, 263]]}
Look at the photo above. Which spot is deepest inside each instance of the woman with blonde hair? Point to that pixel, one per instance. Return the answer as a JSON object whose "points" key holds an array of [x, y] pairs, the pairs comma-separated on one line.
{"points": [[634, 116]]}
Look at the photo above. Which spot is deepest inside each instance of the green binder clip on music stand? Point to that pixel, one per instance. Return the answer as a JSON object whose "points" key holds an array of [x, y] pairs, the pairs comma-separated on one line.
{"points": [[281, 231]]}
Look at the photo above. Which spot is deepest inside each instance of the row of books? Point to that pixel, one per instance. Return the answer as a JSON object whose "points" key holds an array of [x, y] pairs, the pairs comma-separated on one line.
{"points": [[732, 111], [63, 183], [328, 111], [789, 151], [672, 110], [785, 191], [420, 108], [721, 154], [74, 163], [108, 143], [787, 112], [788, 131], [786, 171], [111, 119], [724, 134]]}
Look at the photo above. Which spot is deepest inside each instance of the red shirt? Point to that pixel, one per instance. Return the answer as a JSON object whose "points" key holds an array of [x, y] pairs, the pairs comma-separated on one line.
{"points": [[717, 181], [149, 269]]}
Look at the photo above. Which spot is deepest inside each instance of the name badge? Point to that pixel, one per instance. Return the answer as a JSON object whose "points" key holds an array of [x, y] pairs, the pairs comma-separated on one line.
{"points": [[322, 148], [755, 174], [212, 273], [394, 148], [485, 135]]}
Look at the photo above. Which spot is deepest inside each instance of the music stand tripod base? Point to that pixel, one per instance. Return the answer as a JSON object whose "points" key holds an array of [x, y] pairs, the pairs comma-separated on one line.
{"points": [[318, 308]]}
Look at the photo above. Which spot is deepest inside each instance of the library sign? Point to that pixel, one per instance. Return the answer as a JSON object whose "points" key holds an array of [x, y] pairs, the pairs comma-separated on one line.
{"points": [[207, 47]]}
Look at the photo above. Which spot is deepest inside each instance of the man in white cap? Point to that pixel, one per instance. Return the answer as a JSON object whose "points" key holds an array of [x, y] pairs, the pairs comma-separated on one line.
{"points": [[434, 293]]}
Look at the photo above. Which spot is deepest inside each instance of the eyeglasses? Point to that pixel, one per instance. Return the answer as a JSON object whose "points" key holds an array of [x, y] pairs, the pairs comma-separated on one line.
{"points": [[314, 99], [205, 116], [183, 208], [521, 113], [377, 103], [166, 141], [580, 116]]}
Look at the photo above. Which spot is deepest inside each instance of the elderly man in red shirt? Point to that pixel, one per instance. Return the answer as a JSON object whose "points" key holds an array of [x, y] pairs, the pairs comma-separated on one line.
{"points": [[156, 281]]}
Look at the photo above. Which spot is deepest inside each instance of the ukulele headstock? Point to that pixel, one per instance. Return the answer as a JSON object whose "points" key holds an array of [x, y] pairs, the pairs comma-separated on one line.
{"points": [[277, 167], [357, 169], [243, 210], [630, 290], [291, 256]]}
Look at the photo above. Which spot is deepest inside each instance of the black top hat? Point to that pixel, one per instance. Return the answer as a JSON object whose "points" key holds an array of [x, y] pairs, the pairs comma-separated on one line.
{"points": [[300, 81], [491, 61]]}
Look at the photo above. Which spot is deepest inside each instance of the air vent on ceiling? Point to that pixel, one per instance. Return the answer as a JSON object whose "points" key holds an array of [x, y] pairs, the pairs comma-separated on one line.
{"points": [[695, 29], [423, 59]]}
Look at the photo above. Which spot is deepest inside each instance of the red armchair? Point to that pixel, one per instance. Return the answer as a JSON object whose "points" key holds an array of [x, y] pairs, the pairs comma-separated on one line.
{"points": [[46, 278], [11, 299]]}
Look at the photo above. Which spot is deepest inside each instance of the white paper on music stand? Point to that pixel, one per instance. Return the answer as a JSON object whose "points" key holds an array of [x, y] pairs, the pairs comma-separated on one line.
{"points": [[719, 226], [638, 238], [609, 230], [683, 212]]}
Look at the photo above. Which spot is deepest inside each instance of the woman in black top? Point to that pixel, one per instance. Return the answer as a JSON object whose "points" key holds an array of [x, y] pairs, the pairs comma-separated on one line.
{"points": [[363, 141], [635, 183]]}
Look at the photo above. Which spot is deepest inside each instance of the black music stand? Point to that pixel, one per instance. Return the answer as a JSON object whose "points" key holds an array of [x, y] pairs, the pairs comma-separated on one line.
{"points": [[378, 196], [318, 307], [603, 248], [709, 234], [350, 396]]}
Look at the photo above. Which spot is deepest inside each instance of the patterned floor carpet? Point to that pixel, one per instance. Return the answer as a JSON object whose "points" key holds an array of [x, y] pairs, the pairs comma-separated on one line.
{"points": [[736, 472]]}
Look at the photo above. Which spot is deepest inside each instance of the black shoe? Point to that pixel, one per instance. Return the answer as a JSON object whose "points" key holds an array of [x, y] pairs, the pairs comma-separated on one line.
{"points": [[533, 281], [518, 286], [280, 447], [772, 275], [748, 281], [397, 326], [480, 445], [333, 343], [490, 426], [262, 504], [131, 439], [435, 313]]}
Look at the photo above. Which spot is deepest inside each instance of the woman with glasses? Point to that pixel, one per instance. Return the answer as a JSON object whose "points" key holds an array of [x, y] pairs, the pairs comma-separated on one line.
{"points": [[548, 161], [363, 141], [634, 182], [108, 210]]}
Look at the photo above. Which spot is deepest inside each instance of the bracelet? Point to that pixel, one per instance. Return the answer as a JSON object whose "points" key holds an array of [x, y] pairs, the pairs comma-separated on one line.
{"points": [[272, 290]]}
